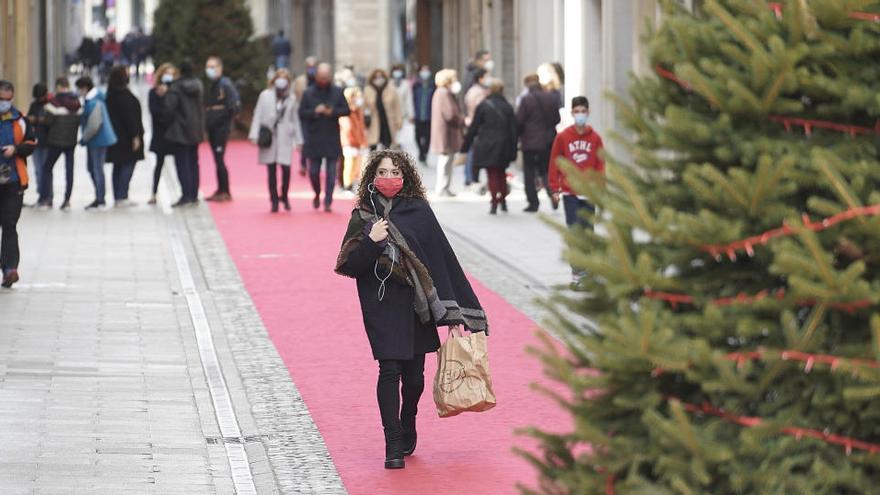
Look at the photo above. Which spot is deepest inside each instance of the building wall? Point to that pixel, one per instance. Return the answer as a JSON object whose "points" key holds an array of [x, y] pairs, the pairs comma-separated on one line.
{"points": [[361, 33]]}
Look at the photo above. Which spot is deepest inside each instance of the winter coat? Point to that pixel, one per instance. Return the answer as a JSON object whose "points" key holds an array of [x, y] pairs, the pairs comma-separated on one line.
{"points": [[160, 121], [352, 129], [472, 99], [16, 131], [62, 120], [422, 113], [492, 134], [393, 112], [536, 119], [321, 132], [447, 122], [183, 105], [222, 102], [284, 123], [36, 115], [125, 115], [404, 95], [97, 131]]}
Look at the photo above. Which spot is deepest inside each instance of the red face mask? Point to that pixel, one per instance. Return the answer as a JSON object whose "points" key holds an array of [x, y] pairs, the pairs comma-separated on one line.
{"points": [[389, 186]]}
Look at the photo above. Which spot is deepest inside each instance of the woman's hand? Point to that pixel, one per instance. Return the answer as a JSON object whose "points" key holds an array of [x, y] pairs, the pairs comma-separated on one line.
{"points": [[379, 232]]}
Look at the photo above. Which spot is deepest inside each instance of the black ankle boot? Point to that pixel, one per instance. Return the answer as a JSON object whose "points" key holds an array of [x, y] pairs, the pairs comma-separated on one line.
{"points": [[393, 453], [494, 209], [409, 435], [274, 206]]}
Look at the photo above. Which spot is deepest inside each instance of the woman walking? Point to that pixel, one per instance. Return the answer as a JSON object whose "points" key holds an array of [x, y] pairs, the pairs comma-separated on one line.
{"points": [[383, 106], [492, 135], [409, 283], [125, 117], [447, 123], [275, 129], [354, 139], [164, 76]]}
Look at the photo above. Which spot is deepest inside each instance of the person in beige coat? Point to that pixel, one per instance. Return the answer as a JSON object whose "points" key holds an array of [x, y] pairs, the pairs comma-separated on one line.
{"points": [[447, 126], [385, 116]]}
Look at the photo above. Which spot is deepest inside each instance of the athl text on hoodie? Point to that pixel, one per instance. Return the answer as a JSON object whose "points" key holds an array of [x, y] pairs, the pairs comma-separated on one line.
{"points": [[582, 150]]}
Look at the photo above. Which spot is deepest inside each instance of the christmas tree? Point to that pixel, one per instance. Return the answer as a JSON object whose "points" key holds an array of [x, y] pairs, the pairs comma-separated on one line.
{"points": [[734, 273], [198, 29]]}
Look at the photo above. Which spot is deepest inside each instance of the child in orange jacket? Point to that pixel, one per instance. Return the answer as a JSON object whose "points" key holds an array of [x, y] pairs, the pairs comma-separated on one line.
{"points": [[354, 138]]}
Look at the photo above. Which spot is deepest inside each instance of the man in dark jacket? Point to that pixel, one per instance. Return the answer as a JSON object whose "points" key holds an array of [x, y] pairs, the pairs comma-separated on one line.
{"points": [[62, 120], [222, 103], [321, 107], [17, 141], [281, 50], [536, 120], [184, 106], [423, 90]]}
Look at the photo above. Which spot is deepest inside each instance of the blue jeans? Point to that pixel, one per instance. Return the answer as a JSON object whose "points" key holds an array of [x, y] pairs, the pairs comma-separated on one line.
{"points": [[329, 179], [45, 187], [573, 207], [281, 62], [39, 155], [95, 158], [469, 168], [122, 173]]}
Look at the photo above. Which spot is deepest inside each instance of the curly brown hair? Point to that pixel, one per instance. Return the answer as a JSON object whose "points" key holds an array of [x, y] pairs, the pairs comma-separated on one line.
{"points": [[412, 181]]}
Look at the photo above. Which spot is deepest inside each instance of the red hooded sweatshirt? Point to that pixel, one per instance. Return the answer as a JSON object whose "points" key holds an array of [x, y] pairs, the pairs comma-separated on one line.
{"points": [[580, 149]]}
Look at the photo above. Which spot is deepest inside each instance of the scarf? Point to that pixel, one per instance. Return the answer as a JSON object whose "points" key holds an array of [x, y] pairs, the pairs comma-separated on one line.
{"points": [[425, 261]]}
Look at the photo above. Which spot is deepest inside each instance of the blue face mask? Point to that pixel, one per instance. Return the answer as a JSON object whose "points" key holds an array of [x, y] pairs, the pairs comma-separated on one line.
{"points": [[580, 119], [167, 78], [5, 106], [211, 73]]}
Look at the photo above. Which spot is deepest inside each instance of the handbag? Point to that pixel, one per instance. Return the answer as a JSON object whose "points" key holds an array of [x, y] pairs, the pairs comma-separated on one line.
{"points": [[264, 137], [463, 382]]}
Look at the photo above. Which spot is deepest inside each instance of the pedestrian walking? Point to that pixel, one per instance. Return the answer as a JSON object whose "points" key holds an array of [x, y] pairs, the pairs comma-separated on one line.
{"points": [[275, 129], [423, 92], [491, 140], [164, 76], [17, 142], [403, 86], [322, 106], [353, 134], [447, 123], [62, 122], [36, 117], [184, 106], [581, 145], [552, 78], [281, 49], [97, 136], [125, 116], [536, 119], [382, 111], [110, 54], [222, 104], [482, 60], [409, 283], [300, 85], [475, 95]]}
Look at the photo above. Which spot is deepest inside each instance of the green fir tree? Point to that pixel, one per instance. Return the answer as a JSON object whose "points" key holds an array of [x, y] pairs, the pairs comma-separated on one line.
{"points": [[715, 156]]}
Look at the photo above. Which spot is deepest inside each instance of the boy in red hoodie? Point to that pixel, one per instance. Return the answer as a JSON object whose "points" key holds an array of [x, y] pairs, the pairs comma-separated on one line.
{"points": [[580, 145]]}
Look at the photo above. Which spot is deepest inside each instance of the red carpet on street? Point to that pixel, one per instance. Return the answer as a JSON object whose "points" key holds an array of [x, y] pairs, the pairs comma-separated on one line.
{"points": [[313, 317]]}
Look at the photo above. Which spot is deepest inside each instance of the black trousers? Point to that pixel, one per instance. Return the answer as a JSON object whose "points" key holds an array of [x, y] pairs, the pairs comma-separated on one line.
{"points": [[218, 139], [274, 194], [186, 158], [399, 389], [423, 138], [157, 172], [11, 200], [535, 166]]}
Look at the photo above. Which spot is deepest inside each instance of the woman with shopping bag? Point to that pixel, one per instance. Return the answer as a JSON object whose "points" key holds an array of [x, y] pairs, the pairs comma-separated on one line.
{"points": [[409, 284]]}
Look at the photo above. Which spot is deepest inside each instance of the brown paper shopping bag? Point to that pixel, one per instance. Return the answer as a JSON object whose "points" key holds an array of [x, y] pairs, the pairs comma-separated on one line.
{"points": [[462, 382]]}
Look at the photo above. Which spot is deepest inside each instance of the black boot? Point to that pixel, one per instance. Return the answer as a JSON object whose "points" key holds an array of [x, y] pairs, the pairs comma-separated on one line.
{"points": [[493, 210], [393, 453], [409, 435], [274, 205]]}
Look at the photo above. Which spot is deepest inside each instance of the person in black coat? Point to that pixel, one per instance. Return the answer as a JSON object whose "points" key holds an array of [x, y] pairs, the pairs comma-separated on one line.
{"points": [[184, 108], [492, 134], [125, 117], [164, 76], [322, 106], [409, 283], [536, 120]]}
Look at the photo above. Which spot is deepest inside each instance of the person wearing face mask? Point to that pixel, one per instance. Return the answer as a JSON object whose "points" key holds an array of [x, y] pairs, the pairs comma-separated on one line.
{"points": [[276, 112], [447, 124], [482, 60], [97, 135], [184, 104], [354, 137], [124, 109], [404, 95], [17, 142], [36, 116], [423, 91], [409, 283], [62, 122], [300, 84], [382, 103], [580, 145], [164, 76], [474, 96], [322, 106], [222, 104]]}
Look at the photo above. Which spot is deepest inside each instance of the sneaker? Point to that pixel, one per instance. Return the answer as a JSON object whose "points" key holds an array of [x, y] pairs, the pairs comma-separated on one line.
{"points": [[219, 197], [65, 205], [96, 205], [446, 193], [328, 209], [152, 200], [44, 205], [9, 277]]}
